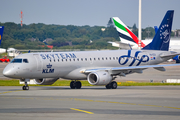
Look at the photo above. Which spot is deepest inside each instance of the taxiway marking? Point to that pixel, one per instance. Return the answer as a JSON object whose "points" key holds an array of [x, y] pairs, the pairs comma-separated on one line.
{"points": [[10, 91], [82, 111], [87, 100]]}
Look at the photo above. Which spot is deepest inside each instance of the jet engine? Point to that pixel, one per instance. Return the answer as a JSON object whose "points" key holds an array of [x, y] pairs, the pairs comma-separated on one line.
{"points": [[45, 81], [99, 78], [177, 58]]}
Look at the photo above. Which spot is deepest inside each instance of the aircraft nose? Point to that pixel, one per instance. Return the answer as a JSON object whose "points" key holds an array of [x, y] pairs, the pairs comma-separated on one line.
{"points": [[8, 72]]}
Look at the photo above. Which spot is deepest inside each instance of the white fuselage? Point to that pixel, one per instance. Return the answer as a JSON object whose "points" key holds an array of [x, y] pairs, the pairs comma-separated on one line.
{"points": [[70, 65]]}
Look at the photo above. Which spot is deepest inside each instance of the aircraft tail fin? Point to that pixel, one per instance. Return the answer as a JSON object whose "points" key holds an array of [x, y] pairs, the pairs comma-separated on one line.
{"points": [[162, 37], [1, 33], [156, 29], [125, 33]]}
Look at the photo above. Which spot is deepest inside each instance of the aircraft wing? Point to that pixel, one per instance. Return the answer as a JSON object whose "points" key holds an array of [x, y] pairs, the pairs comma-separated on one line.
{"points": [[126, 70]]}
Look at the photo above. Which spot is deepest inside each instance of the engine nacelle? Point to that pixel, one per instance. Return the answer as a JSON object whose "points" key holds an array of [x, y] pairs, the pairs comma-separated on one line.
{"points": [[45, 81], [177, 58], [99, 78]]}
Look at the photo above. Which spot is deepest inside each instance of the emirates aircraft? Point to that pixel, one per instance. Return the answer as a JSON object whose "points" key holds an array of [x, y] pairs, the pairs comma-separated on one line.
{"points": [[98, 67]]}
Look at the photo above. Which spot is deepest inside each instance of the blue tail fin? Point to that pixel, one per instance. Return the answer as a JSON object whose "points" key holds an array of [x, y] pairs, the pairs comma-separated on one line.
{"points": [[156, 29], [1, 33], [162, 37]]}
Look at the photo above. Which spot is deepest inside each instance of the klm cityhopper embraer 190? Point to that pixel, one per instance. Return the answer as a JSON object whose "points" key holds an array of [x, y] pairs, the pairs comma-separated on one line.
{"points": [[98, 67]]}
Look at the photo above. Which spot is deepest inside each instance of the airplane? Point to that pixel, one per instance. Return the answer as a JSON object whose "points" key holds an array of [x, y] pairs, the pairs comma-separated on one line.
{"points": [[127, 38], [98, 67], [2, 50]]}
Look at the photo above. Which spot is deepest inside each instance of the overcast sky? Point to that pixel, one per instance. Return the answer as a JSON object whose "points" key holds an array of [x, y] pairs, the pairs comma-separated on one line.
{"points": [[88, 12]]}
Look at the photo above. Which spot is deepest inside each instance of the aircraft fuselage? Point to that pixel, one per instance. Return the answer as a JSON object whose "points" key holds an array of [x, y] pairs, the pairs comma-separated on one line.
{"points": [[70, 64]]}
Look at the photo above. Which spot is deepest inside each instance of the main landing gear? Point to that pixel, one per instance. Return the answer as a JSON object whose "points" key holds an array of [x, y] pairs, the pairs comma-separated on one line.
{"points": [[75, 84], [111, 85], [25, 87]]}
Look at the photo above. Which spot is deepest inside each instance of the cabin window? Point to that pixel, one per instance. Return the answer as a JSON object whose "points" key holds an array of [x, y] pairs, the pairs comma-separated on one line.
{"points": [[54, 60], [94, 58], [25, 61], [116, 58], [98, 58], [102, 58], [62, 60], [69, 59], [16, 61], [66, 60], [109, 58], [86, 59], [77, 59], [74, 59], [90, 59], [50, 60], [81, 59], [106, 58]]}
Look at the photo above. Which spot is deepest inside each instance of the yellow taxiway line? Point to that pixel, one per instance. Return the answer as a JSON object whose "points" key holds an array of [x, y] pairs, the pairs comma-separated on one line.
{"points": [[82, 111]]}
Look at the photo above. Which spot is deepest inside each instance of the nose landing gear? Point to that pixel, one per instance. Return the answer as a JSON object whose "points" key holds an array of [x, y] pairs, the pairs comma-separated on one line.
{"points": [[26, 87]]}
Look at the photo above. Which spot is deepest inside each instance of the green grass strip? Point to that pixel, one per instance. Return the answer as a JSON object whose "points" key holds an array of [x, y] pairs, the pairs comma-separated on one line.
{"points": [[85, 83]]}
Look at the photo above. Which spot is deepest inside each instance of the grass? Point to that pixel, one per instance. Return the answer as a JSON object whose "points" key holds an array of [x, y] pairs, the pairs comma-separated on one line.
{"points": [[85, 83]]}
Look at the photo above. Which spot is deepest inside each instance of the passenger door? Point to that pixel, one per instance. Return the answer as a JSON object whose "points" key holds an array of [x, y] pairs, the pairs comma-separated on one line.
{"points": [[38, 61]]}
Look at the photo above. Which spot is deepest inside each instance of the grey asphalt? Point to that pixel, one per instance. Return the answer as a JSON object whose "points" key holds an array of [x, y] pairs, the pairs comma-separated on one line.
{"points": [[125, 102], [45, 103]]}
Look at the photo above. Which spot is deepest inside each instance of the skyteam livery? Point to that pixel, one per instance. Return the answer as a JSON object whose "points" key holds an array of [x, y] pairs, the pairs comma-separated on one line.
{"points": [[98, 67]]}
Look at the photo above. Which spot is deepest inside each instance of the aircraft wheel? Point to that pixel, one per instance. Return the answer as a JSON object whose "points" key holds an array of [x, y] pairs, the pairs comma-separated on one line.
{"points": [[25, 87], [108, 86], [72, 85], [114, 85], [78, 85]]}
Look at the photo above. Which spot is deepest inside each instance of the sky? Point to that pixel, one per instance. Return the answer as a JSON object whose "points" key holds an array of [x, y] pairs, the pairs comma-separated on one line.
{"points": [[88, 12]]}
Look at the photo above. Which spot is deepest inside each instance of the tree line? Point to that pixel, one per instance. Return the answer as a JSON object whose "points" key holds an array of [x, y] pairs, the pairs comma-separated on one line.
{"points": [[63, 37]]}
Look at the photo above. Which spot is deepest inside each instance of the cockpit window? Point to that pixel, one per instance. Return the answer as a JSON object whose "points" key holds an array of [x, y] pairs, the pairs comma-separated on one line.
{"points": [[16, 60], [25, 60]]}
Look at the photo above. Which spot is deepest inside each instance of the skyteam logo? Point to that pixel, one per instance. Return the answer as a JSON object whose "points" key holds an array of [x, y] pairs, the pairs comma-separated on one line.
{"points": [[165, 33], [143, 58], [48, 70]]}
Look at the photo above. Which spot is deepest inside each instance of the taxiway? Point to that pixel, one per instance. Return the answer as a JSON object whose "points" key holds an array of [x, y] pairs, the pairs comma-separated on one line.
{"points": [[44, 103]]}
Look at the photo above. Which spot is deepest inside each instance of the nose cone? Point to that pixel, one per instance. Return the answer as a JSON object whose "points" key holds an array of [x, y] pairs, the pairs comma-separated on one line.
{"points": [[8, 71]]}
